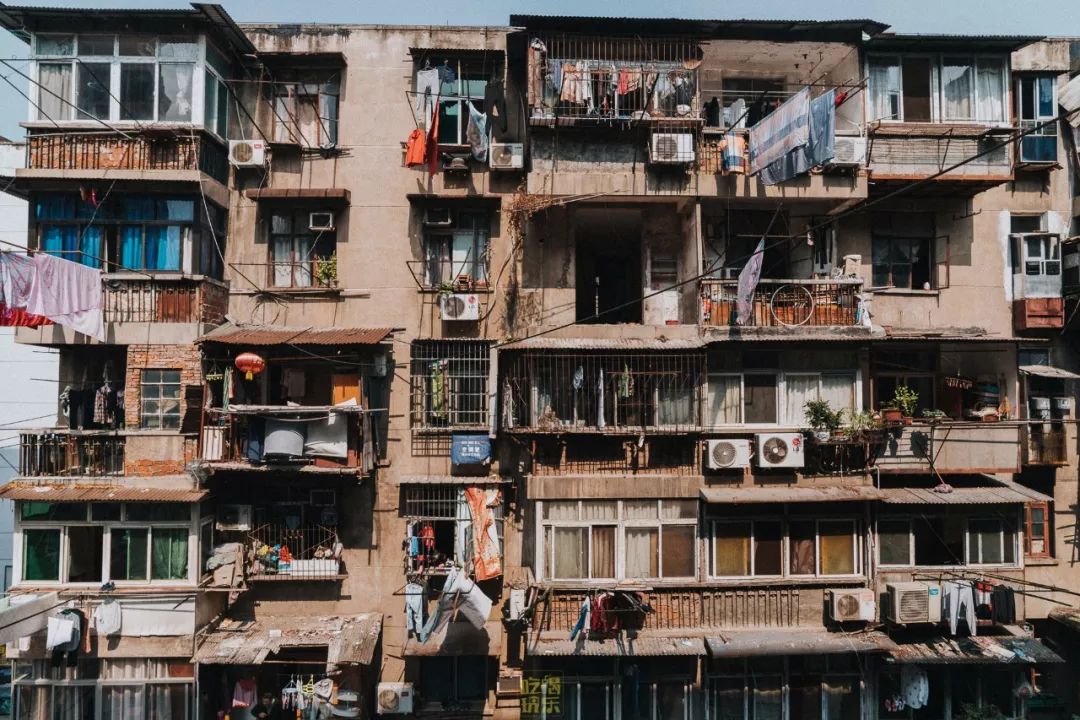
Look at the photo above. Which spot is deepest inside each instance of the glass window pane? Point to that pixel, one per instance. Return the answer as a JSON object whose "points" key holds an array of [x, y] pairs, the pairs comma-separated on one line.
{"points": [[137, 46], [842, 699], [984, 540], [174, 92], [837, 547], [731, 549], [642, 552], [52, 511], [105, 512], [639, 509], [127, 556], [85, 551], [96, 45], [956, 89], [768, 546], [725, 400], [884, 86], [1046, 96], [55, 45], [157, 512], [168, 701], [123, 701], [602, 562], [41, 555], [72, 702], [760, 399], [678, 549], [726, 699], [569, 552], [561, 510], [54, 94], [178, 49], [839, 390], [1009, 541], [894, 542], [1027, 98], [169, 554], [767, 698], [802, 545], [92, 91], [679, 509], [599, 510], [137, 91], [990, 90]]}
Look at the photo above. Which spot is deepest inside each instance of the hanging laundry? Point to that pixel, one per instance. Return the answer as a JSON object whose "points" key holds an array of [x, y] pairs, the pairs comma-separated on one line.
{"points": [[415, 148], [487, 556], [477, 134], [17, 274], [245, 693], [439, 389], [1003, 605], [914, 686], [67, 293], [583, 619], [414, 608], [427, 88], [537, 52], [579, 378], [471, 601], [107, 617], [600, 402], [959, 600], [495, 106], [733, 153]]}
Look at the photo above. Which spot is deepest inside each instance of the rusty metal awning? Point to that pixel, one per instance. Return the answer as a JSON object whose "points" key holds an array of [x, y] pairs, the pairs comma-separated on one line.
{"points": [[330, 195], [758, 643], [751, 495], [1002, 495], [627, 644], [266, 335], [550, 343], [71, 492], [349, 639], [981, 650], [451, 480], [1048, 371]]}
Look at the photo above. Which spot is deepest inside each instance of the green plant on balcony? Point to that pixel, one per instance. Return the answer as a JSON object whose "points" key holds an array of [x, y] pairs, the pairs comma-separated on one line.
{"points": [[326, 271], [862, 424], [905, 399], [823, 420]]}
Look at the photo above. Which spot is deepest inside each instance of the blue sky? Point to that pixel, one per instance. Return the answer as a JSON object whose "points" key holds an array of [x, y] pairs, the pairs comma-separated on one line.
{"points": [[1037, 17]]}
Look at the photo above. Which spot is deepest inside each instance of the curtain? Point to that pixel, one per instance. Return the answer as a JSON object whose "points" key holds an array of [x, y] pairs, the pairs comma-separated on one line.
{"points": [[59, 240], [599, 510], [731, 549], [174, 92], [675, 402], [642, 552], [123, 702], [462, 255], [990, 88], [55, 206], [803, 548], [41, 554], [282, 261], [169, 554], [32, 702], [639, 509], [768, 698], [73, 702], [55, 94], [725, 400], [561, 510], [131, 247], [678, 560], [569, 552], [328, 112], [603, 551], [837, 548], [800, 390], [163, 247], [92, 240], [956, 86], [884, 89], [839, 390], [167, 702]]}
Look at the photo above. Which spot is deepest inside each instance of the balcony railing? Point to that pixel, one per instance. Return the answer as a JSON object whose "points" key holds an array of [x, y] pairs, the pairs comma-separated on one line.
{"points": [[951, 447], [58, 453], [105, 151], [306, 438], [163, 299], [280, 552], [1045, 444], [784, 303]]}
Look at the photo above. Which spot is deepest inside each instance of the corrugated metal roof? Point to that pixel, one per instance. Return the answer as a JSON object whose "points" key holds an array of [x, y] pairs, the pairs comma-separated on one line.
{"points": [[979, 650], [551, 343], [450, 480], [793, 641], [1069, 98], [264, 335], [1070, 618], [962, 496], [938, 41], [750, 495], [1048, 371], [350, 639], [627, 644], [71, 492], [335, 194], [848, 29]]}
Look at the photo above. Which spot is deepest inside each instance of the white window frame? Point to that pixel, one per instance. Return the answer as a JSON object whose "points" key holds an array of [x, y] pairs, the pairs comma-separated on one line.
{"points": [[199, 64], [621, 524], [1018, 547], [191, 526], [785, 547], [781, 395], [937, 90]]}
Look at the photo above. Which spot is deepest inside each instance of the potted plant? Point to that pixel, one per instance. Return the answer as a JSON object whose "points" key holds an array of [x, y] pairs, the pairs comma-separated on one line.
{"points": [[863, 424], [933, 415], [905, 399], [823, 420], [326, 271]]}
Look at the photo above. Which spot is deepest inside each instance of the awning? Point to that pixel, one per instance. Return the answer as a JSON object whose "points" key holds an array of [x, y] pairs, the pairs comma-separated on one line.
{"points": [[627, 644], [451, 480], [349, 639], [22, 615], [750, 495], [979, 650], [458, 637], [230, 334], [1002, 495], [90, 493], [550, 343], [1069, 618], [755, 643], [336, 196], [1048, 371]]}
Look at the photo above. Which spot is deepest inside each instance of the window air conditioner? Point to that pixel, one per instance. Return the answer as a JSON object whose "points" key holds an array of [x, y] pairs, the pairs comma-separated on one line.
{"points": [[671, 148], [851, 605], [914, 602], [459, 306], [506, 156], [780, 450], [233, 517], [321, 221], [849, 151], [247, 153], [394, 698], [727, 454], [438, 217]]}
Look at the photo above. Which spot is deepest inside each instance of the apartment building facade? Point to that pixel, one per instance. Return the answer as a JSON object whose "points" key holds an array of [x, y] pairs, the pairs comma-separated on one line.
{"points": [[427, 387]]}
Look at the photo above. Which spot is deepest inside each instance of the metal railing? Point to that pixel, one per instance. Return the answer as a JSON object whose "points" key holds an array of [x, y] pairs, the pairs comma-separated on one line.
{"points": [[239, 435], [1045, 444], [313, 553], [57, 453], [170, 300], [784, 303]]}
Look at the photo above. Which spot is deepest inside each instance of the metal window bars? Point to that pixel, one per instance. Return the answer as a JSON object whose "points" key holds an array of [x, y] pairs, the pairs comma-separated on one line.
{"points": [[449, 384], [61, 454], [590, 455], [314, 553]]}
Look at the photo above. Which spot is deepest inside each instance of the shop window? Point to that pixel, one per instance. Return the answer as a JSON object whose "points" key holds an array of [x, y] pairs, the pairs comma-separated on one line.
{"points": [[305, 109], [1037, 530], [296, 250], [937, 88], [456, 255], [1036, 110], [449, 384], [160, 399]]}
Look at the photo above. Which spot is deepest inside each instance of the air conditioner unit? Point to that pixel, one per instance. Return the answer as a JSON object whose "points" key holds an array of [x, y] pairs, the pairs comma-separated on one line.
{"points": [[914, 602], [321, 221], [394, 698], [247, 153], [727, 454], [506, 156], [459, 306], [233, 517], [780, 450], [438, 217], [852, 605], [849, 151], [667, 148]]}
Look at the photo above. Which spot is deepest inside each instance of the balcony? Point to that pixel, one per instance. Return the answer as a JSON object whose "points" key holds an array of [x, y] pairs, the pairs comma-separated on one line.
{"points": [[310, 552], [899, 153], [71, 453], [784, 304], [135, 299], [951, 448], [1045, 444], [168, 153], [307, 439]]}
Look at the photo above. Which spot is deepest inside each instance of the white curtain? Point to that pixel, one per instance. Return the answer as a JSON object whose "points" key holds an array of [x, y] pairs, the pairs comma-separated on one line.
{"points": [[839, 390], [561, 510], [123, 702], [569, 552], [884, 89], [956, 87], [599, 510], [55, 80], [639, 509], [990, 90], [725, 400], [642, 551], [800, 390]]}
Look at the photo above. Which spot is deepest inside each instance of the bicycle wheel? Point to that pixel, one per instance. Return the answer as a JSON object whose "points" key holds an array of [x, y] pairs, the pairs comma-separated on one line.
{"points": [[791, 305]]}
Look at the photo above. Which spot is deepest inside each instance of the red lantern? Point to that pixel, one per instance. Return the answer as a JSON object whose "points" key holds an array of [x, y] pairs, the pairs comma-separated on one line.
{"points": [[251, 364]]}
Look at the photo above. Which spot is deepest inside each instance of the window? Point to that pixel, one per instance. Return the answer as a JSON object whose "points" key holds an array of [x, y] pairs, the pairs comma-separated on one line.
{"points": [[619, 539], [1035, 108], [104, 542], [450, 682], [449, 384], [940, 541], [306, 109], [903, 251], [991, 541], [1039, 254], [296, 250], [795, 547], [110, 78], [937, 89], [461, 81], [458, 254], [441, 508], [160, 398], [753, 398], [1036, 529]]}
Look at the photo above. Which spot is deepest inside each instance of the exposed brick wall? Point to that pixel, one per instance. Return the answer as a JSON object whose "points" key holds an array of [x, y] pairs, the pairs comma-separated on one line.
{"points": [[157, 357], [150, 457]]}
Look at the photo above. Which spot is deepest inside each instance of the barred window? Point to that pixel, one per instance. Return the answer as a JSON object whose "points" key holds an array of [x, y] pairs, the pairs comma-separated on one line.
{"points": [[160, 399], [449, 384]]}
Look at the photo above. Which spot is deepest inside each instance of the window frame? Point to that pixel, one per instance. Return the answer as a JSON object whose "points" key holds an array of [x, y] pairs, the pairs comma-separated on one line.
{"points": [[786, 571], [545, 540], [438, 244], [1029, 536], [460, 63], [937, 86], [467, 390], [1018, 546], [1030, 123], [161, 385], [323, 246], [782, 376], [1048, 257], [288, 94]]}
